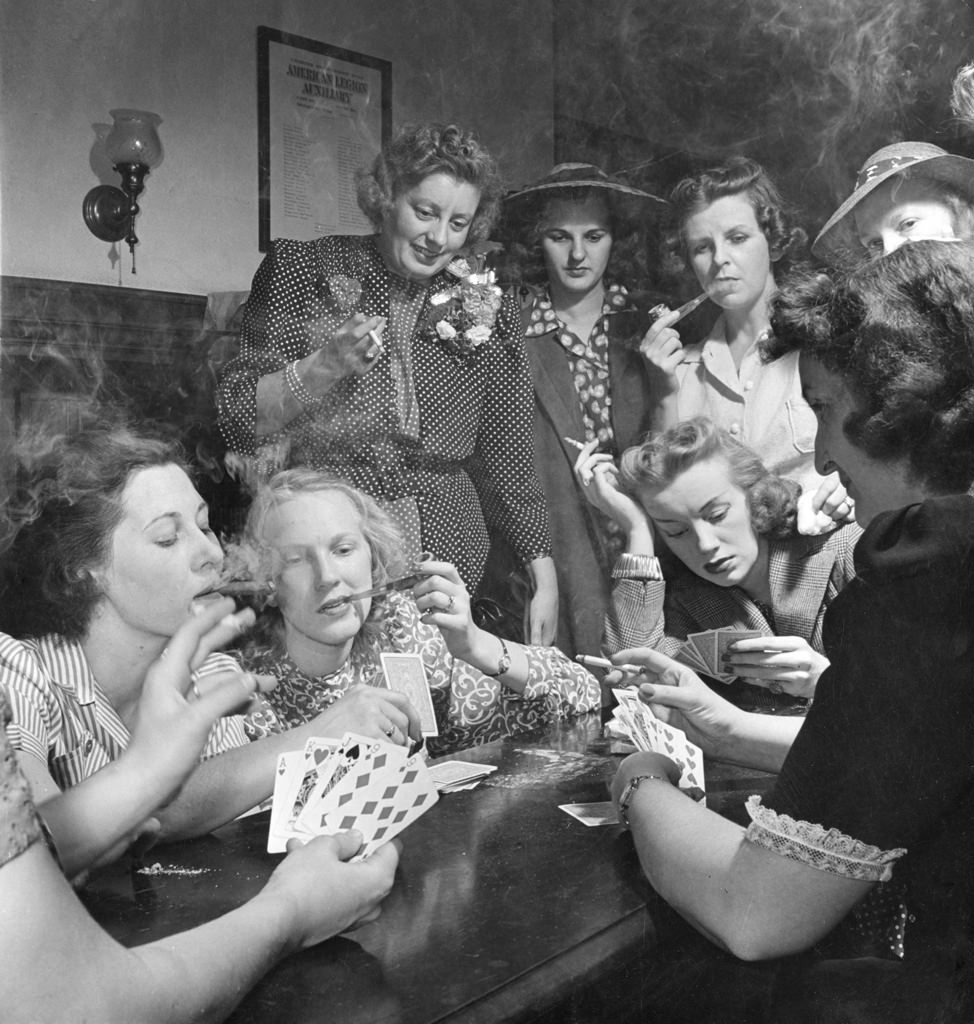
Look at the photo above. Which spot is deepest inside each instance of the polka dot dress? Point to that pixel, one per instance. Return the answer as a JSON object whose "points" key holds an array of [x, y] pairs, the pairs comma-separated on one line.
{"points": [[457, 445]]}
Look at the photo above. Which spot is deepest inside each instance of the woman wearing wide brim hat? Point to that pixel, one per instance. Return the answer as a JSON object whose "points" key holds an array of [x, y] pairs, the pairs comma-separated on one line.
{"points": [[576, 252], [904, 192]]}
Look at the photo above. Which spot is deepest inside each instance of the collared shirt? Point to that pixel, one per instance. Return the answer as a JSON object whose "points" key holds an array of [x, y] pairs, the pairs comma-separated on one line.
{"points": [[62, 716], [760, 403]]}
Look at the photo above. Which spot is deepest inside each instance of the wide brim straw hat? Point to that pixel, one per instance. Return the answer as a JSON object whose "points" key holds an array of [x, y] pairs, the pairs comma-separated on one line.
{"points": [[567, 177], [839, 238]]}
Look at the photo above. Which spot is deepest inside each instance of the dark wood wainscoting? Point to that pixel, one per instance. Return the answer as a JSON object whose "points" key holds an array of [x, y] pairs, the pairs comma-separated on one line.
{"points": [[67, 347]]}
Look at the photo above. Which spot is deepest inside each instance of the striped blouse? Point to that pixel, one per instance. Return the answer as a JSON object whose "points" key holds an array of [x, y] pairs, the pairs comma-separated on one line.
{"points": [[62, 716]]}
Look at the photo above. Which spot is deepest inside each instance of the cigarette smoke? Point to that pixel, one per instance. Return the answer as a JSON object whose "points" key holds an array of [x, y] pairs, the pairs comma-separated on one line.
{"points": [[808, 89]]}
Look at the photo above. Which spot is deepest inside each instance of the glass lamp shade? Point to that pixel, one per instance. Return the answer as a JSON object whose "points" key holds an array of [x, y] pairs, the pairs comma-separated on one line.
{"points": [[133, 138]]}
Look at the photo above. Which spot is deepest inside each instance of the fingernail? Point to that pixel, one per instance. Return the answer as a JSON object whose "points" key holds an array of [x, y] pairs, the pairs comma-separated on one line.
{"points": [[197, 608]]}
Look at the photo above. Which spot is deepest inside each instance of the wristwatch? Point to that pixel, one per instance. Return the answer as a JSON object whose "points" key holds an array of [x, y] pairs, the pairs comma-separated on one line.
{"points": [[503, 663], [630, 791]]}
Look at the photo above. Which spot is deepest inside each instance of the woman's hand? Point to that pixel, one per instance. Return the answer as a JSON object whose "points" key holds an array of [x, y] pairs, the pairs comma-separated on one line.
{"points": [[444, 602], [678, 696], [598, 476], [324, 893], [371, 711], [541, 614], [783, 664], [662, 349], [825, 508], [174, 716], [351, 350]]}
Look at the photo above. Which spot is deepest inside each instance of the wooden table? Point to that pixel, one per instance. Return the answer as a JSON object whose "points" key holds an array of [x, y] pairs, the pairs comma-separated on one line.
{"points": [[504, 908]]}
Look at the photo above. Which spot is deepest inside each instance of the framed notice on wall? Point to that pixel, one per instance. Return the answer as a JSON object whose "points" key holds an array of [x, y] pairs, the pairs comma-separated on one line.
{"points": [[322, 112]]}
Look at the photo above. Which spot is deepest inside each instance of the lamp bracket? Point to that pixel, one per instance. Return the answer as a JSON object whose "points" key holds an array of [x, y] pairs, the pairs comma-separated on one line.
{"points": [[106, 212]]}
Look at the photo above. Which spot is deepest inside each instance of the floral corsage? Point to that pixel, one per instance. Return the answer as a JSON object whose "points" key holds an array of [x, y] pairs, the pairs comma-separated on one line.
{"points": [[462, 316], [346, 292]]}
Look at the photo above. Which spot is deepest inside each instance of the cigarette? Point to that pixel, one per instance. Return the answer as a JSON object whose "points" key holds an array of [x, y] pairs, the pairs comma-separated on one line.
{"points": [[575, 444], [590, 661], [242, 588], [376, 340]]}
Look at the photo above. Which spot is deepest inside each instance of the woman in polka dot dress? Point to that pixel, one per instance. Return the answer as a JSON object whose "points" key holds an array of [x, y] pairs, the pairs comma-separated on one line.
{"points": [[345, 365], [576, 246]]}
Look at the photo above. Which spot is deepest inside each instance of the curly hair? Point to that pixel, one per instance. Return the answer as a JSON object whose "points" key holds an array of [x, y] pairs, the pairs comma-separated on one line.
{"points": [[523, 225], [899, 332], [416, 152], [738, 175], [60, 522], [380, 530], [771, 500]]}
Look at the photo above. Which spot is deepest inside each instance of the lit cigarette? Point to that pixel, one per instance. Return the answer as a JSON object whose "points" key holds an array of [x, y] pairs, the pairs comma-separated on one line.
{"points": [[590, 661], [376, 340], [575, 444]]}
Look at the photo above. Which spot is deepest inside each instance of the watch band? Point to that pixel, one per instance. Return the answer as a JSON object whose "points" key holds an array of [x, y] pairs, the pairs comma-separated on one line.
{"points": [[503, 663], [630, 791]]}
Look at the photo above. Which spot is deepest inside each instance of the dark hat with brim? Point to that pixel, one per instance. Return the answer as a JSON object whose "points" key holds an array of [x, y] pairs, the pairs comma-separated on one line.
{"points": [[566, 177], [839, 238]]}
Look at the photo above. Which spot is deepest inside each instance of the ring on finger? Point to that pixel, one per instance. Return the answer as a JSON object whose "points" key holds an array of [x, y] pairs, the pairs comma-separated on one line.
{"points": [[775, 687], [449, 604]]}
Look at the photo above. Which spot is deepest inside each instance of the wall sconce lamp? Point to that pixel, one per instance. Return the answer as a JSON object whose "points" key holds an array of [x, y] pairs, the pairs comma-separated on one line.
{"points": [[133, 146]]}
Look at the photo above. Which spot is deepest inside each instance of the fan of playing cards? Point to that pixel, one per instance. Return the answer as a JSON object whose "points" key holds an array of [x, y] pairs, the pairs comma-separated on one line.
{"points": [[360, 783], [704, 652], [649, 733]]}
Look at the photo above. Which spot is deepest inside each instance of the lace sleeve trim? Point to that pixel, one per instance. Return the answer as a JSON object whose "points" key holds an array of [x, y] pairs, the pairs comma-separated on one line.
{"points": [[825, 849]]}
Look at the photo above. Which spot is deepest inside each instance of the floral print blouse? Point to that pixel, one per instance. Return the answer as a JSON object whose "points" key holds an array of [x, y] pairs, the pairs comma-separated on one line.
{"points": [[471, 708]]}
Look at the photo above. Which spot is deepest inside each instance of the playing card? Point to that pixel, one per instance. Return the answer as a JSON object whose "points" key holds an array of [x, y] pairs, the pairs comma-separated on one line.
{"points": [[650, 733], [399, 803], [705, 644], [639, 719], [287, 777], [601, 813], [687, 655], [350, 756], [727, 637], [364, 784], [317, 753], [448, 774], [406, 674]]}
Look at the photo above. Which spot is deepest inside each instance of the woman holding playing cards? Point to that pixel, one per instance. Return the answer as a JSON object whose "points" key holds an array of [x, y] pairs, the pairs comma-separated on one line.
{"points": [[734, 561], [859, 857], [59, 965], [327, 546], [112, 551], [392, 361], [732, 230], [577, 250]]}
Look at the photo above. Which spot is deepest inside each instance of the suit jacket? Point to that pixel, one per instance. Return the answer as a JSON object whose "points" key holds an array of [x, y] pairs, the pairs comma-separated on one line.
{"points": [[806, 574], [581, 560]]}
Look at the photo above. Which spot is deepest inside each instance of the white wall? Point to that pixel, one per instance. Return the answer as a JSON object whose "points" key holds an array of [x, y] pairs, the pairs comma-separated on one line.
{"points": [[65, 63]]}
